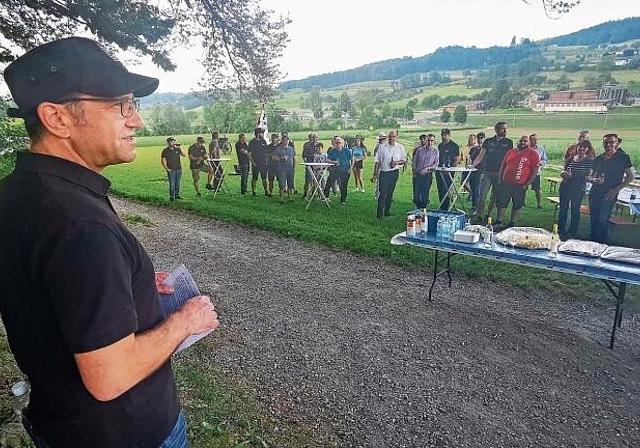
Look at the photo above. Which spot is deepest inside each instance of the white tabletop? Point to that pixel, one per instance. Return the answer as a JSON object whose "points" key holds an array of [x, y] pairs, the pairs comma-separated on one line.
{"points": [[456, 169], [320, 164], [219, 160]]}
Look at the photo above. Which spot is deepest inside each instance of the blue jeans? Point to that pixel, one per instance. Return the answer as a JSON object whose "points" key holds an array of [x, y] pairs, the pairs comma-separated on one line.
{"points": [[600, 210], [244, 177], [177, 438], [174, 183], [570, 199]]}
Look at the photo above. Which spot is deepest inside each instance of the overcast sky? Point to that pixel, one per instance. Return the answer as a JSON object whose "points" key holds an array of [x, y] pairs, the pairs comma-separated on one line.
{"points": [[333, 35]]}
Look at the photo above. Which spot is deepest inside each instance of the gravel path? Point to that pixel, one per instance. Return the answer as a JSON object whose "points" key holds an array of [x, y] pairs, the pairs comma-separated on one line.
{"points": [[363, 361]]}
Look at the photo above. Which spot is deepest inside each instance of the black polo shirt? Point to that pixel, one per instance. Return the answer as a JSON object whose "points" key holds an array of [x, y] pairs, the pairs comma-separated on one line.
{"points": [[495, 150], [257, 148], [447, 153], [243, 157], [173, 157], [75, 279], [613, 170], [196, 151]]}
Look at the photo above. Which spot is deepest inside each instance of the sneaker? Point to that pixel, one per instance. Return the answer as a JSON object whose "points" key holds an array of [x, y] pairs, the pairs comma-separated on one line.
{"points": [[253, 194], [178, 197], [362, 190], [208, 187], [198, 194]]}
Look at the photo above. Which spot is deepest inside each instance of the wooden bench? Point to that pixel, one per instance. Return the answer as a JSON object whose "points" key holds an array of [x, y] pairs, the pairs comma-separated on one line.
{"points": [[584, 209], [553, 183]]}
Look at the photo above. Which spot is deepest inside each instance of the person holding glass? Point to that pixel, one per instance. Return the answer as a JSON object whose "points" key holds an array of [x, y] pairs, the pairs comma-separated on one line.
{"points": [[572, 188], [611, 173]]}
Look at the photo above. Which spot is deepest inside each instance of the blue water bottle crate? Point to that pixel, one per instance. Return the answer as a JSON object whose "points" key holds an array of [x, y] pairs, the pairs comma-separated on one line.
{"points": [[434, 215]]}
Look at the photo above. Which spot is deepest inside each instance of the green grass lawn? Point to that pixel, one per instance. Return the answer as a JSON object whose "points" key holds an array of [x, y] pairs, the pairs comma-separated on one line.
{"points": [[145, 180]]}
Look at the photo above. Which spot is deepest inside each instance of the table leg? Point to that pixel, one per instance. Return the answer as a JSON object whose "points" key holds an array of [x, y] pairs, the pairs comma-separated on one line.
{"points": [[316, 190], [619, 295], [436, 273]]}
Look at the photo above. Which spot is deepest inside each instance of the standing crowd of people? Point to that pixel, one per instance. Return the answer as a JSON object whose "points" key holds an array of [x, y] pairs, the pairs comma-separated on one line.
{"points": [[501, 172]]}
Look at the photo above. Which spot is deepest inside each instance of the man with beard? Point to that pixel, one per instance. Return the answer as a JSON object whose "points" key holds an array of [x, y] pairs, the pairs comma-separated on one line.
{"points": [[257, 151], [490, 157], [423, 164], [518, 169], [449, 157]]}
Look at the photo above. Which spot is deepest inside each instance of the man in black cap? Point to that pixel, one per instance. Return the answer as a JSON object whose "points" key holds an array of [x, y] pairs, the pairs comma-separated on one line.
{"points": [[198, 163], [170, 160], [449, 157], [258, 151], [78, 293]]}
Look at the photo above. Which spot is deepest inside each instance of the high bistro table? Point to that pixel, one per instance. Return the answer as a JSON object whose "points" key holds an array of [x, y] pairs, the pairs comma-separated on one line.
{"points": [[453, 193], [220, 172], [615, 276], [316, 190]]}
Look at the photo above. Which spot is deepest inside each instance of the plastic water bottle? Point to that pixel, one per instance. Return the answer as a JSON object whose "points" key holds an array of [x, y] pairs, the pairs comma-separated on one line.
{"points": [[439, 225], [20, 401]]}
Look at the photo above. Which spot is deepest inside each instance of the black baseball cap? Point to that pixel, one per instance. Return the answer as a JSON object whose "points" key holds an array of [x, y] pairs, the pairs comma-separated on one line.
{"points": [[257, 131], [58, 69], [200, 139], [171, 139], [445, 131]]}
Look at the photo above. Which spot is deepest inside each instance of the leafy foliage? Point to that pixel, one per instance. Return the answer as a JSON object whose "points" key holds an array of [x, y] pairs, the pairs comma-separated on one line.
{"points": [[241, 41]]}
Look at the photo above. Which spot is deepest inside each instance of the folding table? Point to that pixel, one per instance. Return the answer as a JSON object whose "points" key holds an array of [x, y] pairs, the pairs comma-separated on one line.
{"points": [[220, 172], [316, 189], [454, 191]]}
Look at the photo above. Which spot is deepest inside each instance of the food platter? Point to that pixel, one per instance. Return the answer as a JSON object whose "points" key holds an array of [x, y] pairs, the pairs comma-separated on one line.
{"points": [[525, 237], [621, 254], [581, 247]]}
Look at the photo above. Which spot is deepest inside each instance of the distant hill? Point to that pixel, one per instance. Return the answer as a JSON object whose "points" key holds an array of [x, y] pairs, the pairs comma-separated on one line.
{"points": [[606, 33], [470, 58]]}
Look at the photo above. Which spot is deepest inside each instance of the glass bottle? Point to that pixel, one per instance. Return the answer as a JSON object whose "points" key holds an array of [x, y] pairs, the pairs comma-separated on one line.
{"points": [[488, 235], [555, 241]]}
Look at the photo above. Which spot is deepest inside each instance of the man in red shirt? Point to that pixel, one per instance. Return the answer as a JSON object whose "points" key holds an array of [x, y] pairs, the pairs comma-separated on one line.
{"points": [[519, 168]]}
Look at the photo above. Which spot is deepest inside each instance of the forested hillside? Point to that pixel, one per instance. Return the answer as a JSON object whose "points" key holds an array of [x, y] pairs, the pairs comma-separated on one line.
{"points": [[605, 33], [461, 58]]}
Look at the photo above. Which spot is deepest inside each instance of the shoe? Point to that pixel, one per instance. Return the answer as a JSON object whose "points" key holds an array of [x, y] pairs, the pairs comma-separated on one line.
{"points": [[387, 214], [178, 197], [343, 203], [243, 192], [281, 201], [171, 199], [253, 193], [539, 207], [208, 187], [362, 190], [198, 194]]}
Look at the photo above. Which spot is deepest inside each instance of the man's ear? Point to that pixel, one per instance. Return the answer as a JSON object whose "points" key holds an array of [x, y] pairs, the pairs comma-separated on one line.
{"points": [[56, 119]]}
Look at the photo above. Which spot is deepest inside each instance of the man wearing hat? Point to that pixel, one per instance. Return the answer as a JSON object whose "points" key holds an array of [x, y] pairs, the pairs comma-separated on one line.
{"points": [[78, 293], [449, 157], [258, 151], [198, 163], [170, 160]]}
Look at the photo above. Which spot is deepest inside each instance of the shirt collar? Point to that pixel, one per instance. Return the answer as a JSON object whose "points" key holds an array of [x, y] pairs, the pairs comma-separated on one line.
{"points": [[65, 169]]}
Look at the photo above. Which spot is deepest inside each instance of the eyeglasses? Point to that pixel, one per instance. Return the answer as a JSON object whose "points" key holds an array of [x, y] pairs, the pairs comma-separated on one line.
{"points": [[609, 142], [431, 140], [127, 105]]}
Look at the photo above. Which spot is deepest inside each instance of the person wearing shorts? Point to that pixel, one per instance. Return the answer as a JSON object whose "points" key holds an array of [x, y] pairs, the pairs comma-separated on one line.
{"points": [[257, 149], [197, 163], [518, 169], [272, 162], [359, 153]]}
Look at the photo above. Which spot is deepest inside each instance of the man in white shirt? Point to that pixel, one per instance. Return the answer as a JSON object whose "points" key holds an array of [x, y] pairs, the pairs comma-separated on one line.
{"points": [[390, 156]]}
